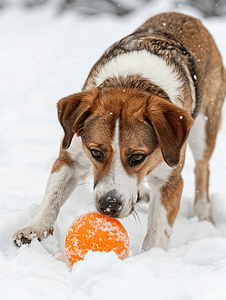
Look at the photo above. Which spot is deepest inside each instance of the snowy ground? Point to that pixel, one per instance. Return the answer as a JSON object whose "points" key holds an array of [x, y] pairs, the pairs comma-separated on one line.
{"points": [[43, 58]]}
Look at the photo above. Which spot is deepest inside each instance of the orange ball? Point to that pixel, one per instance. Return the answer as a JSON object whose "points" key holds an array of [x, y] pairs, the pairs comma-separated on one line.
{"points": [[97, 233]]}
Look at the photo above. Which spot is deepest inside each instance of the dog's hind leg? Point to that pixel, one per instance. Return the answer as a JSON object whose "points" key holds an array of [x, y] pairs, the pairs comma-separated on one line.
{"points": [[202, 141], [198, 144]]}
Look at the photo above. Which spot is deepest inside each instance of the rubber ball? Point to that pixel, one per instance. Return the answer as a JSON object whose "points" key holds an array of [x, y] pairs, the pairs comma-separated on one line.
{"points": [[96, 232]]}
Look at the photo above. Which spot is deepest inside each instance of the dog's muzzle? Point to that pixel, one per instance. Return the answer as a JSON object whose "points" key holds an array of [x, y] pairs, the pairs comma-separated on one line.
{"points": [[110, 204]]}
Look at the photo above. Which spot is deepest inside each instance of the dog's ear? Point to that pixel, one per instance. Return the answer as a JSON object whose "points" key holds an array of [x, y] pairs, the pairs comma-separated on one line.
{"points": [[73, 111], [171, 125]]}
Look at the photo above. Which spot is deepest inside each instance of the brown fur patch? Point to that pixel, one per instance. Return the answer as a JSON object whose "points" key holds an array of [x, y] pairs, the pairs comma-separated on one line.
{"points": [[100, 170], [72, 111], [135, 82], [170, 195], [166, 234], [202, 180], [171, 191], [148, 125], [63, 159], [171, 125]]}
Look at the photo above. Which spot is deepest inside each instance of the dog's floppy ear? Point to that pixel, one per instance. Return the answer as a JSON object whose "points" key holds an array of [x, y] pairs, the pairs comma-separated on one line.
{"points": [[171, 125], [73, 111]]}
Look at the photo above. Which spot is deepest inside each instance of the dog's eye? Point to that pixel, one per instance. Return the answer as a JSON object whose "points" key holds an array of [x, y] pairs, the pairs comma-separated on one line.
{"points": [[137, 159], [97, 155]]}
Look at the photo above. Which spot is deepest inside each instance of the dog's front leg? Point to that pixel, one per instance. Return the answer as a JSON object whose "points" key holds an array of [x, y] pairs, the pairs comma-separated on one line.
{"points": [[62, 181], [163, 209]]}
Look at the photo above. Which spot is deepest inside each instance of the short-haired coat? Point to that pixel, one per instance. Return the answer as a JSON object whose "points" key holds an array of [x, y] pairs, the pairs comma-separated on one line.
{"points": [[147, 95]]}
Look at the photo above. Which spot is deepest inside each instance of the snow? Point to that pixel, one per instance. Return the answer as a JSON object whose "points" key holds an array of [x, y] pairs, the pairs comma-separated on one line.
{"points": [[45, 57]]}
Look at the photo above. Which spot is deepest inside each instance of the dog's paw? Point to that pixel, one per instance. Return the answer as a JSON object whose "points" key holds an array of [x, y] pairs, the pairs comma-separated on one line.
{"points": [[202, 217], [27, 234], [203, 211]]}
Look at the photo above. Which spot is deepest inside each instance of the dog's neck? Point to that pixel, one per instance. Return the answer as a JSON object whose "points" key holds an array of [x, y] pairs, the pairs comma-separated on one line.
{"points": [[134, 82]]}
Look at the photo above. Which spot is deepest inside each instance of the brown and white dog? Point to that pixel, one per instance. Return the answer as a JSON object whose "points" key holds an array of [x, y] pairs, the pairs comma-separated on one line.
{"points": [[132, 120]]}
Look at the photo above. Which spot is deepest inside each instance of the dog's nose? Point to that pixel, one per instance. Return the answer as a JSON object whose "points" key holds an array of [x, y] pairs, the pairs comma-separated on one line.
{"points": [[110, 204]]}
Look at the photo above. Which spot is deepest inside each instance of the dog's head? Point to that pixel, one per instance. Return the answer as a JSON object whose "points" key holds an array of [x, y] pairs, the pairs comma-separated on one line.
{"points": [[125, 133]]}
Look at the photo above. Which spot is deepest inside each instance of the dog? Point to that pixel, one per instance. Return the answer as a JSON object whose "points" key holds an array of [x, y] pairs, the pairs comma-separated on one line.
{"points": [[148, 95]]}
